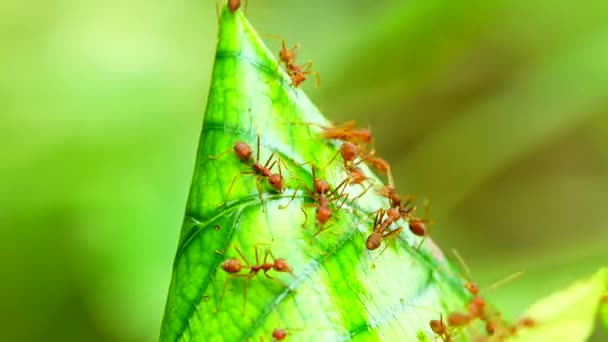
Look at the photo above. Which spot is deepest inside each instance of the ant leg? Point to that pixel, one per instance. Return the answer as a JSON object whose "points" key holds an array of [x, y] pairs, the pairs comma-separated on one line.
{"points": [[392, 235], [362, 193], [265, 256], [305, 218], [245, 296], [242, 256], [332, 158], [257, 185], [295, 192], [321, 229], [317, 77], [277, 281], [222, 295], [229, 190], [306, 66], [343, 201], [342, 185], [269, 160], [231, 276], [220, 154], [257, 158], [427, 208], [389, 175]]}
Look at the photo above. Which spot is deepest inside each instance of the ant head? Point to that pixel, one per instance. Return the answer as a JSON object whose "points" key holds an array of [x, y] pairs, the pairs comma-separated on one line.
{"points": [[457, 319], [275, 181], [297, 77], [417, 227], [231, 265], [478, 301], [437, 326], [279, 334], [476, 307], [323, 214], [286, 55], [404, 211], [348, 151], [490, 328], [387, 191], [242, 150], [280, 265], [527, 322], [472, 288], [373, 241], [320, 186], [379, 164]]}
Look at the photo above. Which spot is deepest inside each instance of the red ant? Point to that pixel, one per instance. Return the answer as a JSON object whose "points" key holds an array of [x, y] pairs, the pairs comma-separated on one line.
{"points": [[279, 334], [295, 72], [440, 329], [243, 151], [322, 195], [476, 308], [346, 132], [374, 240], [401, 210], [458, 319], [288, 56], [233, 5], [233, 266], [297, 75]]}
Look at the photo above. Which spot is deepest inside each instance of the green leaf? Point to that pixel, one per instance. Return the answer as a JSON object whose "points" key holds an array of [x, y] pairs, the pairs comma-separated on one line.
{"points": [[604, 311], [568, 315], [339, 290]]}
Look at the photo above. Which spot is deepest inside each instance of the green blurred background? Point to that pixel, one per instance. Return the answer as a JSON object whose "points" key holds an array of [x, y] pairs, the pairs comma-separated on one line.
{"points": [[494, 110]]}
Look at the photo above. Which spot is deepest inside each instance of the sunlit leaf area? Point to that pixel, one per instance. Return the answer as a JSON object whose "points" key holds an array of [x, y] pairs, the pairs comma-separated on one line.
{"points": [[494, 111]]}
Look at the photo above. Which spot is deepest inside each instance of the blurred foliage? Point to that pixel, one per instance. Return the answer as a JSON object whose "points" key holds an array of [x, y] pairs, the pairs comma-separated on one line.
{"points": [[496, 111], [568, 314]]}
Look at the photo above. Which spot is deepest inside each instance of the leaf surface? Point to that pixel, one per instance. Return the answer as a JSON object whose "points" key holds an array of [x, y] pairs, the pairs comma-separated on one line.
{"points": [[569, 314], [339, 290]]}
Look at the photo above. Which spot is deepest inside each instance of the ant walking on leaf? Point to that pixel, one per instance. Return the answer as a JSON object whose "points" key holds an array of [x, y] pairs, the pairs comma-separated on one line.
{"points": [[296, 73], [381, 232], [233, 267], [400, 209], [322, 196], [476, 307], [243, 152]]}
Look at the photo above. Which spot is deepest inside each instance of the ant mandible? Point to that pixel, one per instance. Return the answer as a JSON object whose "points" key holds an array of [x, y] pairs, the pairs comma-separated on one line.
{"points": [[233, 266]]}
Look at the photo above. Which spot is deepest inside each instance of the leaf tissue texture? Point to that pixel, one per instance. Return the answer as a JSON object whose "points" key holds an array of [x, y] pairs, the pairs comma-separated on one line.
{"points": [[339, 290]]}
